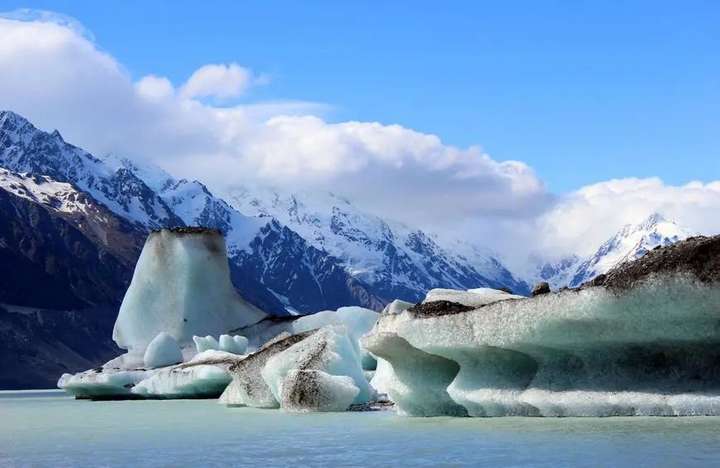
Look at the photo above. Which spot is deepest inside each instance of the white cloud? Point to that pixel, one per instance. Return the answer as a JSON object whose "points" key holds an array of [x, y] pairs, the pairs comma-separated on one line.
{"points": [[218, 81], [58, 78], [155, 87], [581, 220]]}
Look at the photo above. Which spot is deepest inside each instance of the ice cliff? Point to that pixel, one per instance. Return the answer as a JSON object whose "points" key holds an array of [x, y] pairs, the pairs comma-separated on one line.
{"points": [[641, 340], [181, 286]]}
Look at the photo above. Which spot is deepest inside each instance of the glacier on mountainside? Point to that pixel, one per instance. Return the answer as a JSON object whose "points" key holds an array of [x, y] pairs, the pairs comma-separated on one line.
{"points": [[641, 341]]}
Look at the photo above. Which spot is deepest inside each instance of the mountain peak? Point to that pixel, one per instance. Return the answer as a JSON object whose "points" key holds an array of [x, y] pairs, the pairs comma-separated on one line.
{"points": [[10, 121], [653, 220]]}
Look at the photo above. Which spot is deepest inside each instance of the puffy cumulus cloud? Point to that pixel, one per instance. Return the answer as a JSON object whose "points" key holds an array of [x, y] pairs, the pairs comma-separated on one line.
{"points": [[155, 87], [218, 81], [59, 78], [581, 220]]}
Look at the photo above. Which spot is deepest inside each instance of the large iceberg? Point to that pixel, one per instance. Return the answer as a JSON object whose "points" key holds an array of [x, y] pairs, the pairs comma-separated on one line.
{"points": [[181, 322], [181, 286], [642, 340]]}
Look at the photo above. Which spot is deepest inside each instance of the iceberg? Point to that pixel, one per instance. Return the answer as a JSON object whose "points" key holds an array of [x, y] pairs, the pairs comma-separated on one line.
{"points": [[641, 340], [247, 387], [162, 351], [180, 299], [234, 344], [194, 381], [315, 390], [181, 286], [329, 351], [98, 384]]}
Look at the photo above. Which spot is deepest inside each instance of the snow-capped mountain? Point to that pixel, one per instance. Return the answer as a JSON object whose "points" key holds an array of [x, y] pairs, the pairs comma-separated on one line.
{"points": [[25, 149], [287, 252], [629, 243], [150, 198], [396, 260]]}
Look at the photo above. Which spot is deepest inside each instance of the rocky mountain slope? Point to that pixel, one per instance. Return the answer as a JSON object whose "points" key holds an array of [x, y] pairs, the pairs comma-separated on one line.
{"points": [[396, 260]]}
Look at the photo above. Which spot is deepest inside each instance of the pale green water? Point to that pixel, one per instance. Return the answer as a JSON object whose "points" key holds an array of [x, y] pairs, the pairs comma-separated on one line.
{"points": [[48, 429]]}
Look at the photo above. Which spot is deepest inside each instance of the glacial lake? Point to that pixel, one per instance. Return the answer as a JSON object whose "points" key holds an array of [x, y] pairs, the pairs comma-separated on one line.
{"points": [[47, 428]]}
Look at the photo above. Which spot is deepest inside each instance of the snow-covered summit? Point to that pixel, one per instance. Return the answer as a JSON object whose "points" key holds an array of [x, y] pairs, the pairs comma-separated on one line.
{"points": [[631, 242], [26, 149], [405, 261]]}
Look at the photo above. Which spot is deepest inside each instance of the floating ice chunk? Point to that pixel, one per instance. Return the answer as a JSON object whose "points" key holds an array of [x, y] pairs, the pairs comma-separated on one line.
{"points": [[99, 385], [472, 297], [181, 286], [589, 352], [162, 351], [195, 381], [356, 320], [314, 390], [328, 350], [205, 343], [233, 344], [247, 387]]}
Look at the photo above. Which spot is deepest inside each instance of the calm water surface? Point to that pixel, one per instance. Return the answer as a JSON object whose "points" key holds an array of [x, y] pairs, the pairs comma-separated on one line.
{"points": [[49, 429]]}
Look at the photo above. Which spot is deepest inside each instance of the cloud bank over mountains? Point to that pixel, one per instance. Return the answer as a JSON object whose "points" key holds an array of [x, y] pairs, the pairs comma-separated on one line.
{"points": [[209, 128]]}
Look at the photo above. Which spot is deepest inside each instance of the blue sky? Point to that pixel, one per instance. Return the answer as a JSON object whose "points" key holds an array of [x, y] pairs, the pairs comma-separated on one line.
{"points": [[580, 91]]}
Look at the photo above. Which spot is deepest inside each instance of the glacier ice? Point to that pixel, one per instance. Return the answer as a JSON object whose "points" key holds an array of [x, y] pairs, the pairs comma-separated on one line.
{"points": [[356, 320], [235, 344], [329, 350], [205, 343], [648, 350], [397, 306], [472, 297], [247, 387], [181, 286], [106, 384], [314, 390], [185, 381], [162, 351]]}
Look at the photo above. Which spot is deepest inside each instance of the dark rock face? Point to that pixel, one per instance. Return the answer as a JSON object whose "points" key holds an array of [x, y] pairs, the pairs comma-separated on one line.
{"points": [[281, 260], [39, 345], [51, 263], [191, 230], [541, 288], [438, 308], [696, 256]]}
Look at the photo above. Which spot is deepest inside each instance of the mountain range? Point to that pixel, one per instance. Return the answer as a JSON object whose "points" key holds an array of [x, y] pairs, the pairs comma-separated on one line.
{"points": [[72, 225]]}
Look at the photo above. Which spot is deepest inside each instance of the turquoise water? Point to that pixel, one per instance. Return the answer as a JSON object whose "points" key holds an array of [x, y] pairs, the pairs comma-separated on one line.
{"points": [[49, 429]]}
